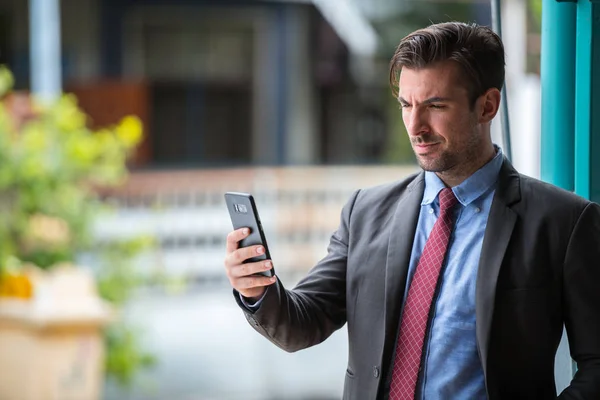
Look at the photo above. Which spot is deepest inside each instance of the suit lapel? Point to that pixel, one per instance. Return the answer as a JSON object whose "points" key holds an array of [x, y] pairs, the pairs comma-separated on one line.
{"points": [[402, 233], [500, 224]]}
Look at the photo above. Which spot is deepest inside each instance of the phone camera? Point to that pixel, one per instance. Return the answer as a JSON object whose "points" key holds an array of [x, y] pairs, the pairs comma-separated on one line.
{"points": [[240, 208]]}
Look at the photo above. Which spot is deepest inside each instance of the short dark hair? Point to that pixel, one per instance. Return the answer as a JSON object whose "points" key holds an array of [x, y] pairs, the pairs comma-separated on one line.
{"points": [[477, 49]]}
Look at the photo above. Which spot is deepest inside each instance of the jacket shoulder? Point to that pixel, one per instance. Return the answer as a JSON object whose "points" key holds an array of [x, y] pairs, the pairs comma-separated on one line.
{"points": [[386, 195], [546, 194]]}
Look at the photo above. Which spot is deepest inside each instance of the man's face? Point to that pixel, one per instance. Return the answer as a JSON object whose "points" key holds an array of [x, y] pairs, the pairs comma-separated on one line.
{"points": [[442, 126]]}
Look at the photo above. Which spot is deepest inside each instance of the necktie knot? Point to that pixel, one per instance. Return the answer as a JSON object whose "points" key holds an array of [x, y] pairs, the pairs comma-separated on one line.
{"points": [[447, 199]]}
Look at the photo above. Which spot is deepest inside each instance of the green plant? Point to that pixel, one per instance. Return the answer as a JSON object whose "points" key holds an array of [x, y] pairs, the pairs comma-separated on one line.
{"points": [[535, 8], [50, 162], [51, 165], [116, 279], [125, 356]]}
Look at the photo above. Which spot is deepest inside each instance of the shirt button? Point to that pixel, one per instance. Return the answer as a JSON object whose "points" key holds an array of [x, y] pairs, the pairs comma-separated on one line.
{"points": [[375, 372], [477, 209], [431, 211]]}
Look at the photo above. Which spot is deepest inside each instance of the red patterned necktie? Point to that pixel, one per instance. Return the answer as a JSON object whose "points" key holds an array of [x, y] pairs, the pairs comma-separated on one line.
{"points": [[409, 347]]}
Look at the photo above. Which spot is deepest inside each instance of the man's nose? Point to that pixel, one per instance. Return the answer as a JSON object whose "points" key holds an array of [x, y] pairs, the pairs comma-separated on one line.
{"points": [[416, 122]]}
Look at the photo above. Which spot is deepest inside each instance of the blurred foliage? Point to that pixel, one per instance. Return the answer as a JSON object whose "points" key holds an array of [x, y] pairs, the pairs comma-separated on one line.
{"points": [[535, 8], [118, 276], [398, 149], [51, 165], [126, 356], [116, 279], [50, 162]]}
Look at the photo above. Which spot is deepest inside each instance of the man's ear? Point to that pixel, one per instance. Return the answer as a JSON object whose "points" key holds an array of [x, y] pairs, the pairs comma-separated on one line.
{"points": [[489, 104]]}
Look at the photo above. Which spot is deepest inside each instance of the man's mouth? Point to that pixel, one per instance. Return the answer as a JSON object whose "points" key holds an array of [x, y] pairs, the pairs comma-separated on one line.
{"points": [[425, 146]]}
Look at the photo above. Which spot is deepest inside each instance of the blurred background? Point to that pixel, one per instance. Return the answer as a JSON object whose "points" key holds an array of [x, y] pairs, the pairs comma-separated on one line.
{"points": [[185, 100]]}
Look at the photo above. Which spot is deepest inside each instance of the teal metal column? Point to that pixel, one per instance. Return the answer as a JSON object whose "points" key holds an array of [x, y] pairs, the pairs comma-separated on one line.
{"points": [[558, 92], [558, 122], [587, 114], [583, 99]]}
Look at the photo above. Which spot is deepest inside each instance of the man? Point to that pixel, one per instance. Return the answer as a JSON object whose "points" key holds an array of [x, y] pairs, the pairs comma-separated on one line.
{"points": [[456, 282]]}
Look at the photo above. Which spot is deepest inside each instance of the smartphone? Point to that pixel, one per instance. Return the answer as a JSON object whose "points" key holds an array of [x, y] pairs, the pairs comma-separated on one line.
{"points": [[244, 214]]}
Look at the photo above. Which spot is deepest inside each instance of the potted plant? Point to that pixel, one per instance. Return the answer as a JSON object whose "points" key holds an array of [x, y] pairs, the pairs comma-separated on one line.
{"points": [[51, 165]]}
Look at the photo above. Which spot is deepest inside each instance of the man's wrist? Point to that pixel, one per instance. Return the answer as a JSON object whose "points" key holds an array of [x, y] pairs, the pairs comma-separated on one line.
{"points": [[252, 303]]}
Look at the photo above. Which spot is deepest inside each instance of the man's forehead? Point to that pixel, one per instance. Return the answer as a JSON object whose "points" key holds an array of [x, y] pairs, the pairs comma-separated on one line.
{"points": [[443, 82], [437, 90]]}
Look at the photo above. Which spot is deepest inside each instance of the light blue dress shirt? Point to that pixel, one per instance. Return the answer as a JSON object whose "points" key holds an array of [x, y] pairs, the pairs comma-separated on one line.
{"points": [[452, 369]]}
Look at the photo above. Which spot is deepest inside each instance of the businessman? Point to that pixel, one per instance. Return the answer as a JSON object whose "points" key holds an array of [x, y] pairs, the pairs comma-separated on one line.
{"points": [[456, 282]]}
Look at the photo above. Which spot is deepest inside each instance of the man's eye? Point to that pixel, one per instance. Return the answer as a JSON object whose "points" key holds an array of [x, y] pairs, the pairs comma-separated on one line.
{"points": [[404, 105], [437, 106]]}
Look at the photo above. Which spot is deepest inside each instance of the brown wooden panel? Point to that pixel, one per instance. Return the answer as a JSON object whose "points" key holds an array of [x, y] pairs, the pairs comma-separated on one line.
{"points": [[106, 102]]}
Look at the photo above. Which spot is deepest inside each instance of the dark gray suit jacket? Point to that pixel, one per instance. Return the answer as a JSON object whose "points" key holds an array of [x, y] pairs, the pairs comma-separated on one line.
{"points": [[539, 269]]}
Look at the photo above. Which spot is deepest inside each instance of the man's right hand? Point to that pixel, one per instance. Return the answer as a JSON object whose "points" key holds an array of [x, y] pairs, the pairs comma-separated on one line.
{"points": [[241, 275]]}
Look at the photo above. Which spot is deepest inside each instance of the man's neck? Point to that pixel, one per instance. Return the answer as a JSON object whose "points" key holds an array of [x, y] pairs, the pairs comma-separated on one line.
{"points": [[454, 177]]}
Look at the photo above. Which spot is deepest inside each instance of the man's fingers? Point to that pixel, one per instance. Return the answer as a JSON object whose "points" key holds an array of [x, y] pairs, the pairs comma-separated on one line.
{"points": [[250, 268], [241, 255], [234, 237], [249, 282]]}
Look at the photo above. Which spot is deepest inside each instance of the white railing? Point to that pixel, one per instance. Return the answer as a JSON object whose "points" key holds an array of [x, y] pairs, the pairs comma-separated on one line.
{"points": [[186, 213]]}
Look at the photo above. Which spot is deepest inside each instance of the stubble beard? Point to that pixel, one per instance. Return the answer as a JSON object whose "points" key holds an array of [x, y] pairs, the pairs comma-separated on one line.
{"points": [[450, 161], [442, 163]]}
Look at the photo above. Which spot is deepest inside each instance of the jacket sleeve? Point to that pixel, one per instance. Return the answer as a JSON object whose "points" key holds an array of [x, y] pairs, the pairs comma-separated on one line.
{"points": [[582, 304], [308, 314]]}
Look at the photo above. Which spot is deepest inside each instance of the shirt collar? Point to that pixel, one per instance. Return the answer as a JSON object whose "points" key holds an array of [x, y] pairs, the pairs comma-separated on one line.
{"points": [[471, 188]]}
